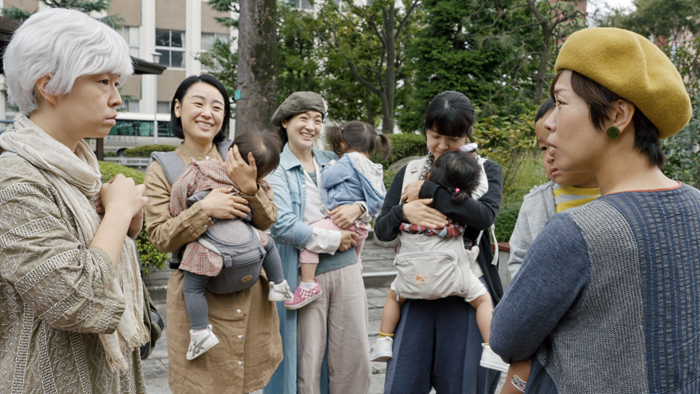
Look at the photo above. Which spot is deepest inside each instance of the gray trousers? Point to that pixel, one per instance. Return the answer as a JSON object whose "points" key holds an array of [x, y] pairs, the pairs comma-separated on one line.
{"points": [[338, 317]]}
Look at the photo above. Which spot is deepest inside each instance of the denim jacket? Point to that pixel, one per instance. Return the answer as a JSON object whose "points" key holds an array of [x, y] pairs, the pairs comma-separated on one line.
{"points": [[289, 185], [292, 235]]}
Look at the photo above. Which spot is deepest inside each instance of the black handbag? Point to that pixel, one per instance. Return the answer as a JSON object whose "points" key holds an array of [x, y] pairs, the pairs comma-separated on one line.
{"points": [[154, 324]]}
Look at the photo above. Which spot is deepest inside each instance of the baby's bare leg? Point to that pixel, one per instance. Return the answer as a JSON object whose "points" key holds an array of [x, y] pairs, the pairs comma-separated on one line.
{"points": [[308, 272], [391, 313], [484, 309]]}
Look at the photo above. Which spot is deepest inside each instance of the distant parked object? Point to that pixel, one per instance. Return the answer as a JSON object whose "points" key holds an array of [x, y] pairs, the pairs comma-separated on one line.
{"points": [[136, 129]]}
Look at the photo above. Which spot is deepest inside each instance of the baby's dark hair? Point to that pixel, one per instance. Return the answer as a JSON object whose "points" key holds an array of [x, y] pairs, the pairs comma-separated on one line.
{"points": [[544, 108], [265, 146], [456, 170], [358, 136]]}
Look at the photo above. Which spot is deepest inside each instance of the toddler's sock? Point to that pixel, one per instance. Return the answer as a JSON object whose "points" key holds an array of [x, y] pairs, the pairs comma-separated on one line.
{"points": [[306, 285]]}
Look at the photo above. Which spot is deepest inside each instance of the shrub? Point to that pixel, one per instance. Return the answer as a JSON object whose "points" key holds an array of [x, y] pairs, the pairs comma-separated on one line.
{"points": [[505, 222], [110, 170], [403, 145], [146, 150], [388, 178], [151, 258]]}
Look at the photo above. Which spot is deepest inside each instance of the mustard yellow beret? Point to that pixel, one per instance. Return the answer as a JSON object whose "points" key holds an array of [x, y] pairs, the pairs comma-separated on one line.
{"points": [[634, 68]]}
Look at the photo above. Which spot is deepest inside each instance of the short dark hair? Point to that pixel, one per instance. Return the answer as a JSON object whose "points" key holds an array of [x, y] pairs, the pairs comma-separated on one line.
{"points": [[358, 136], [265, 146], [450, 113], [600, 99], [176, 123], [545, 107], [456, 170]]}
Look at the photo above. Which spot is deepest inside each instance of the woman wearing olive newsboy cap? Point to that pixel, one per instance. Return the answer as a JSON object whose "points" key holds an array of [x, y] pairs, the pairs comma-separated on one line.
{"points": [[335, 324]]}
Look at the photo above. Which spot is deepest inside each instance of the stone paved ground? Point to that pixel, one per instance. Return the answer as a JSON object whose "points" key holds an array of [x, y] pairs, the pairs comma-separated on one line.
{"points": [[377, 262]]}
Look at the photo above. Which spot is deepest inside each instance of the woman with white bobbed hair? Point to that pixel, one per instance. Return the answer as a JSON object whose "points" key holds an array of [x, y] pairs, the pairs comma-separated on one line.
{"points": [[71, 293]]}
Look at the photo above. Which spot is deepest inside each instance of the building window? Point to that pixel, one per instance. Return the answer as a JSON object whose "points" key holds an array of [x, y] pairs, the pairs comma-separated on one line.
{"points": [[131, 36], [171, 46], [303, 4], [129, 105], [164, 107], [208, 41]]}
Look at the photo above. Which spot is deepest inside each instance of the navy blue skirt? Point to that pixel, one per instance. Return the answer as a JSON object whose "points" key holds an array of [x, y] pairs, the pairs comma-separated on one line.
{"points": [[438, 344]]}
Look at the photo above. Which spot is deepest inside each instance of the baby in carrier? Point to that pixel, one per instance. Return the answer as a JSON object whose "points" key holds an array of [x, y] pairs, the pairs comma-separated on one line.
{"points": [[461, 173], [227, 243]]}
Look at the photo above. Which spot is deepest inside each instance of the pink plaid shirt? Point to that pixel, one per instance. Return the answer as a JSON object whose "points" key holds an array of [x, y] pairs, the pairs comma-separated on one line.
{"points": [[196, 177], [451, 230]]}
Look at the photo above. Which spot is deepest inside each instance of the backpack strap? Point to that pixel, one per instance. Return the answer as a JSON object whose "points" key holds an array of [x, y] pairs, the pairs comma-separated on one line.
{"points": [[223, 148], [413, 171], [171, 163]]}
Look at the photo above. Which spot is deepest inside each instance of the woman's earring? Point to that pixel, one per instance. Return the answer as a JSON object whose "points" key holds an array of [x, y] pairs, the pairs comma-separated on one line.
{"points": [[613, 132]]}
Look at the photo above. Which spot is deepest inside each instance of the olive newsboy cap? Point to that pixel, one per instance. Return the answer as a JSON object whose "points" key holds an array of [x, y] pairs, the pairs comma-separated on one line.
{"points": [[634, 68], [297, 103]]}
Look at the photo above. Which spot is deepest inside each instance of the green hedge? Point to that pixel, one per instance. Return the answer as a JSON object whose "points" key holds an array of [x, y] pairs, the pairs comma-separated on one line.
{"points": [[403, 145], [151, 258], [146, 150], [110, 170], [505, 222]]}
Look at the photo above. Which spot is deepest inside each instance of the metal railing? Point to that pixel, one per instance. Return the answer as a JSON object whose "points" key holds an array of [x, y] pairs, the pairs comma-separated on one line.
{"points": [[129, 161]]}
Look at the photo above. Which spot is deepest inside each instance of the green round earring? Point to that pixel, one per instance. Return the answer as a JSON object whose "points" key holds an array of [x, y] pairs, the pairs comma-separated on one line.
{"points": [[613, 132]]}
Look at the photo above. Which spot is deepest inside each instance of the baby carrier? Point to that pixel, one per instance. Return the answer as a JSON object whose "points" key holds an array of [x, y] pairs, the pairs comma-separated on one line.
{"points": [[431, 267], [243, 258]]}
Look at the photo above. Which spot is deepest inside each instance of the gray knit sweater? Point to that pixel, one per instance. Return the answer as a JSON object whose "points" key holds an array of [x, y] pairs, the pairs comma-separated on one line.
{"points": [[609, 298], [538, 207]]}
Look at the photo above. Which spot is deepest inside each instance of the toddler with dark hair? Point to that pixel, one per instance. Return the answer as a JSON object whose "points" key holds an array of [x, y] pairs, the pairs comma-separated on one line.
{"points": [[205, 257], [460, 173], [354, 178]]}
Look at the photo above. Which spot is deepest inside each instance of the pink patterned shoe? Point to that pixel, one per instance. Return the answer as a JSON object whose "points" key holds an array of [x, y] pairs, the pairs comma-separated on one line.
{"points": [[303, 297]]}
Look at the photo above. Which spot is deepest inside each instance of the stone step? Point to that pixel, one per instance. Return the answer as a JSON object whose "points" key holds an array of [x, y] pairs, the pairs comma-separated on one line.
{"points": [[377, 263]]}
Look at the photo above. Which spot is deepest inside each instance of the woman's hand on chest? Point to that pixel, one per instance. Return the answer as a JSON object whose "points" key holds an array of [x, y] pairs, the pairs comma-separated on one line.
{"points": [[419, 212], [412, 191], [221, 205]]}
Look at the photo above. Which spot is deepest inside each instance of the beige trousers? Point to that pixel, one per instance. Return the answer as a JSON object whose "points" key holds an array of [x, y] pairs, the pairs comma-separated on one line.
{"points": [[338, 316]]}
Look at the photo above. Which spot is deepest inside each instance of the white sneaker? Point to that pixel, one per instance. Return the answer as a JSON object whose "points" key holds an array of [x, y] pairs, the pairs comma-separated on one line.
{"points": [[491, 360], [382, 350], [280, 292], [200, 342]]}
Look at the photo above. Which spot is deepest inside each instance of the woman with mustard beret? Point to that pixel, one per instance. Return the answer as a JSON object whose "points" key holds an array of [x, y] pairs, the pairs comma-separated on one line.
{"points": [[608, 296]]}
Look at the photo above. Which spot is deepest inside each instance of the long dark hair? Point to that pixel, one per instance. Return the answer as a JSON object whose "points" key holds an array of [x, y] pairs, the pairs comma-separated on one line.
{"points": [[176, 123], [450, 113], [458, 172], [357, 136]]}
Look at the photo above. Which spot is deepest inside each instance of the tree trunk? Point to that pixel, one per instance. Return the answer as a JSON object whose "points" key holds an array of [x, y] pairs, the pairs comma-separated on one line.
{"points": [[390, 76], [542, 68], [257, 65]]}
